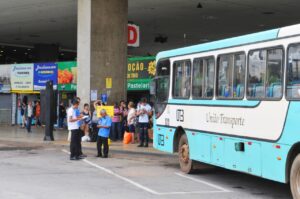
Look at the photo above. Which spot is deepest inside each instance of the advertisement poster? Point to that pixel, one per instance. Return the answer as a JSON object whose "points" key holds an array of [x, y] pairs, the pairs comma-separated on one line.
{"points": [[67, 76], [22, 78], [5, 78], [44, 72]]}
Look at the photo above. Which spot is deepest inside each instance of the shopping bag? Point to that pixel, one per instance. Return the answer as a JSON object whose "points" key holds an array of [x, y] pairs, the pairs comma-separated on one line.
{"points": [[109, 142], [127, 138]]}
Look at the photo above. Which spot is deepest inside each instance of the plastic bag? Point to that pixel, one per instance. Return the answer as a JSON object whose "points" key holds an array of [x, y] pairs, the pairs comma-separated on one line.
{"points": [[127, 138]]}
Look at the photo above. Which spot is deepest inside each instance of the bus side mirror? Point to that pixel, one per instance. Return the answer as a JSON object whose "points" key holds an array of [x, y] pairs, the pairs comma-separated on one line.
{"points": [[153, 87]]}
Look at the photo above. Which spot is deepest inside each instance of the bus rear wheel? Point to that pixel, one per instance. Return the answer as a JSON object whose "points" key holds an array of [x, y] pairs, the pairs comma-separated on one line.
{"points": [[186, 164], [295, 178]]}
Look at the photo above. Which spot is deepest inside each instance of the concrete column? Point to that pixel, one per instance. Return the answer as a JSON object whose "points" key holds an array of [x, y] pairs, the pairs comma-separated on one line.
{"points": [[84, 50], [102, 47]]}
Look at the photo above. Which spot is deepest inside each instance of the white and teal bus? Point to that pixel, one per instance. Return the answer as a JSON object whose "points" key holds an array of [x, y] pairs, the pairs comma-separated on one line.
{"points": [[233, 103]]}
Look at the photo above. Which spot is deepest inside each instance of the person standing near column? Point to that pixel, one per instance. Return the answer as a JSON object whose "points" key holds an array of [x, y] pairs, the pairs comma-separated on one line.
{"points": [[61, 115], [29, 115], [144, 111], [116, 124], [131, 118], [73, 125], [104, 125], [78, 114], [37, 114]]}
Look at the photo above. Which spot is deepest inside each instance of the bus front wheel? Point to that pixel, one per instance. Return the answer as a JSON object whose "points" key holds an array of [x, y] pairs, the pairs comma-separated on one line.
{"points": [[295, 178], [186, 164]]}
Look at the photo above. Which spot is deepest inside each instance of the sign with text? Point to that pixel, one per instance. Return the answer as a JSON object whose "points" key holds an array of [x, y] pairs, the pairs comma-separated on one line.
{"points": [[141, 68], [5, 78], [44, 72], [140, 71], [133, 35], [138, 84], [22, 77]]}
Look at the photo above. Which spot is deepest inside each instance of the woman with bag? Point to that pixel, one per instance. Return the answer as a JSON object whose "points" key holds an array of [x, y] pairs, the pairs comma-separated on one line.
{"points": [[131, 120]]}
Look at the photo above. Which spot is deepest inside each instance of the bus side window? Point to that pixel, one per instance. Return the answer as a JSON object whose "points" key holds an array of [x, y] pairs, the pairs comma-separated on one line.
{"points": [[257, 73], [203, 78], [225, 65], [239, 75], [182, 79], [198, 80], [231, 76], [293, 72], [209, 78], [265, 74], [274, 73]]}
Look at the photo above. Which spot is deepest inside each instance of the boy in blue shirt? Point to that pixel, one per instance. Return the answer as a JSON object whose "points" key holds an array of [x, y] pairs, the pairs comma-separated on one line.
{"points": [[104, 125]]}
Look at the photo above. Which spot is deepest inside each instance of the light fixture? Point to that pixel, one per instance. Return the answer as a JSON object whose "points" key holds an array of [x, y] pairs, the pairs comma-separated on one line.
{"points": [[268, 13], [199, 5], [15, 50], [28, 49], [161, 39]]}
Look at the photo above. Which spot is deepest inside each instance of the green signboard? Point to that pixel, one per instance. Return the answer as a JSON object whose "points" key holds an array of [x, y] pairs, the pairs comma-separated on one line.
{"points": [[138, 84], [140, 71], [67, 76]]}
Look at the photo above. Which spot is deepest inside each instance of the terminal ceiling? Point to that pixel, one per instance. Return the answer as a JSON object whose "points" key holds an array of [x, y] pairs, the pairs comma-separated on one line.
{"points": [[178, 22]]}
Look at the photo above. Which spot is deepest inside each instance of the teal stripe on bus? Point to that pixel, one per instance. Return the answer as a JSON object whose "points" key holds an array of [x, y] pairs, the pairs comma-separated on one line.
{"points": [[232, 103], [225, 43]]}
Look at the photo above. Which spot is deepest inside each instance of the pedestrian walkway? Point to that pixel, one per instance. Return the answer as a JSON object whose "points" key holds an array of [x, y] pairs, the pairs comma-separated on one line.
{"points": [[17, 134]]}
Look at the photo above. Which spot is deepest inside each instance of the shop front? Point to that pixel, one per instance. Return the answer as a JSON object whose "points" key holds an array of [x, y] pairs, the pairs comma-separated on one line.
{"points": [[5, 95]]}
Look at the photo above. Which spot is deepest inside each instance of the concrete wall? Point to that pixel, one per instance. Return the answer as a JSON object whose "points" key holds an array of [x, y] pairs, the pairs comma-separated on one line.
{"points": [[102, 47]]}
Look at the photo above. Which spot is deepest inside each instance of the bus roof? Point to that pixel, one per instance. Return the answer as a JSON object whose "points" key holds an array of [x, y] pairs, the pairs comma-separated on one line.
{"points": [[225, 43]]}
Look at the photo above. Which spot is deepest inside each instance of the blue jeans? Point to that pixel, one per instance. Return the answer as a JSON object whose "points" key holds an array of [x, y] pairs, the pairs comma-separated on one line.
{"points": [[144, 138], [61, 122], [116, 133]]}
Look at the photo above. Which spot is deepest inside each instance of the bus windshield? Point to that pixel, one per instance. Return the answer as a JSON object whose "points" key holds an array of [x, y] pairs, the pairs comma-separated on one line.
{"points": [[162, 84]]}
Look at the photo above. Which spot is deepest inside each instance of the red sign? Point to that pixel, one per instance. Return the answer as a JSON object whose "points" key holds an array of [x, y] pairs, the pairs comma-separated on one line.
{"points": [[133, 35]]}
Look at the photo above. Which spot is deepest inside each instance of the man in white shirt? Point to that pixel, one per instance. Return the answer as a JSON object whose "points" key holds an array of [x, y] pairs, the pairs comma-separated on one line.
{"points": [[73, 125], [144, 111]]}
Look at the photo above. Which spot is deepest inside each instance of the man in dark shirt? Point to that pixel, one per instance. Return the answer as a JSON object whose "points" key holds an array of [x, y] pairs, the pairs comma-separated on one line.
{"points": [[61, 115]]}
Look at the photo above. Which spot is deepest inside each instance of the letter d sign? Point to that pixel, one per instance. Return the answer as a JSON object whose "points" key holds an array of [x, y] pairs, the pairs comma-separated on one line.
{"points": [[133, 35]]}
